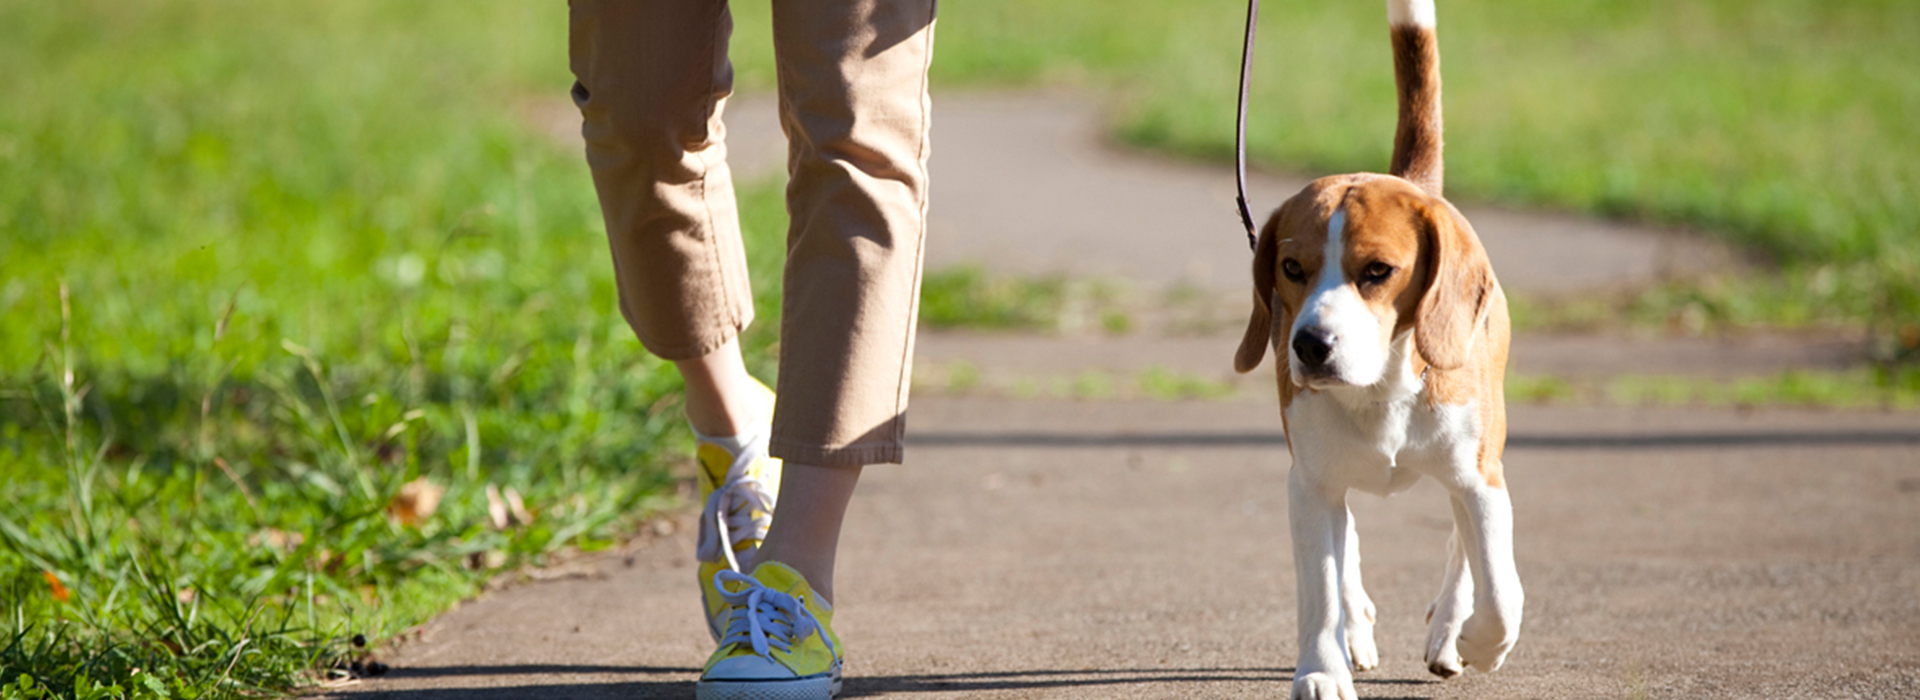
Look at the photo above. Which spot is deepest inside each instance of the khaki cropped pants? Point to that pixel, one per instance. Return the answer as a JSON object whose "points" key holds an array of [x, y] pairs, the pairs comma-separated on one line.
{"points": [[652, 79]]}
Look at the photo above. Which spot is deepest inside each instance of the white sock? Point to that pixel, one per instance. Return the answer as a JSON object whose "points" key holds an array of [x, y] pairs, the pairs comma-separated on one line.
{"points": [[734, 444]]}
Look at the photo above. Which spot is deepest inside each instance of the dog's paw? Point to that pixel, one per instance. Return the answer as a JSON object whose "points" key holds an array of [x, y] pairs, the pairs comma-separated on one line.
{"points": [[1443, 658], [1444, 620], [1486, 639], [1323, 686], [1361, 650], [1360, 647]]}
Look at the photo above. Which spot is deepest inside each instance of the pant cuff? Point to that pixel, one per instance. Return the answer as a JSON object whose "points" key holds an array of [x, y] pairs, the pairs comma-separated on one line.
{"points": [[699, 347]]}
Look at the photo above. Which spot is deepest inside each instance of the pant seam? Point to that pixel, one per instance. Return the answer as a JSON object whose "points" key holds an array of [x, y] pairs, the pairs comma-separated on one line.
{"points": [[714, 253], [920, 255]]}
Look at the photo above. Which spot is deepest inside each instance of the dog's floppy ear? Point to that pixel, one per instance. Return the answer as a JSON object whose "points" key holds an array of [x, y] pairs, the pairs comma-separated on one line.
{"points": [[1460, 287], [1253, 346]]}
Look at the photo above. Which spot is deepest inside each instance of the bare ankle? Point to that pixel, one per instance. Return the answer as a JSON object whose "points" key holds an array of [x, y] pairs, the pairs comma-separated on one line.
{"points": [[722, 399], [806, 527], [819, 574]]}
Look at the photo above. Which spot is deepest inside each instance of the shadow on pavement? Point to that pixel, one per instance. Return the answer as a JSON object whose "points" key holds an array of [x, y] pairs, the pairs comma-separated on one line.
{"points": [[525, 670], [858, 686], [1630, 441], [861, 686]]}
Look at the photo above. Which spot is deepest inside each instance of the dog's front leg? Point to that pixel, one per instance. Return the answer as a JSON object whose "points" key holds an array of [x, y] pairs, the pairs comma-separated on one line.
{"points": [[1483, 520], [1356, 606], [1450, 609], [1318, 515]]}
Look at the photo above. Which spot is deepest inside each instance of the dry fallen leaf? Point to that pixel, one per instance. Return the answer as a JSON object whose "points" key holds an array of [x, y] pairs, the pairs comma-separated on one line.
{"points": [[326, 560], [277, 539], [506, 508], [487, 560], [496, 508], [416, 501], [60, 592], [519, 507]]}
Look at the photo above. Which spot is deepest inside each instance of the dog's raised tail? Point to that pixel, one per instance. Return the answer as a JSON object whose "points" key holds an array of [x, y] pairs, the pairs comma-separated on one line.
{"points": [[1416, 70]]}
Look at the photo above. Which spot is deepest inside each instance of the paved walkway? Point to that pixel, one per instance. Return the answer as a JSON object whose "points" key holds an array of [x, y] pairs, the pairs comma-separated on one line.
{"points": [[1059, 549], [1098, 550]]}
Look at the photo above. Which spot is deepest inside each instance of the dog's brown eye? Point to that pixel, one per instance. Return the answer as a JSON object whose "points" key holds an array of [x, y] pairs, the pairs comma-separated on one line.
{"points": [[1291, 268], [1376, 273]]}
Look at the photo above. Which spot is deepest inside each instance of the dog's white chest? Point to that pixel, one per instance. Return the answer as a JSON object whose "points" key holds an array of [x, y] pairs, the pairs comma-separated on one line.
{"points": [[1376, 444]]}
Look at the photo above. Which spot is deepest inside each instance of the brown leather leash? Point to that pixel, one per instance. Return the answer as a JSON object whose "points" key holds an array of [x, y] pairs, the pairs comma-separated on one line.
{"points": [[1240, 127]]}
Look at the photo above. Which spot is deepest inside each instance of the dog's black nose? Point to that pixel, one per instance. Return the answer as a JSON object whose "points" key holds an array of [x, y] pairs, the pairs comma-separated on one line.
{"points": [[1312, 346]]}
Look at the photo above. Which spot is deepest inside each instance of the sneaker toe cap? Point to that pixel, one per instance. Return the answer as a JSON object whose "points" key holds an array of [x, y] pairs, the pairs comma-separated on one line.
{"points": [[749, 667]]}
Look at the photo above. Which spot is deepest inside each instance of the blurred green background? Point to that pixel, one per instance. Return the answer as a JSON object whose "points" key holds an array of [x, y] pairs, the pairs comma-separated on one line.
{"points": [[314, 251]]}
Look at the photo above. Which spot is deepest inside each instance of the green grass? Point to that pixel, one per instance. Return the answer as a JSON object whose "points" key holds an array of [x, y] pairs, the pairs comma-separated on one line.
{"points": [[265, 265], [1873, 388], [962, 378], [968, 297], [1807, 298], [1880, 388]]}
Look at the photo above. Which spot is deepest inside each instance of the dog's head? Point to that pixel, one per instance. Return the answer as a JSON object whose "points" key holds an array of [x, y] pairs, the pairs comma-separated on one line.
{"points": [[1353, 262]]}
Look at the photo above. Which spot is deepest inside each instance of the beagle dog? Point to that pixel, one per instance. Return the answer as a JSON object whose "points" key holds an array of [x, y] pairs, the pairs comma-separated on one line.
{"points": [[1394, 330]]}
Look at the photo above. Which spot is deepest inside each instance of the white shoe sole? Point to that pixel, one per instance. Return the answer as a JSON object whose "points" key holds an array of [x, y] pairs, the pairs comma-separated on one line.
{"points": [[816, 688]]}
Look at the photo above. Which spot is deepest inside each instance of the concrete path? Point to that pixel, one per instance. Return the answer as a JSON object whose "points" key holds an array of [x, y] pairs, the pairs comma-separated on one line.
{"points": [[1060, 549], [1098, 550]]}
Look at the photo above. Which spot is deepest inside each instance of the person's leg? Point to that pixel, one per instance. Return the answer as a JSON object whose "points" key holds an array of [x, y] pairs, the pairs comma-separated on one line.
{"points": [[652, 80], [854, 104], [723, 400], [806, 533]]}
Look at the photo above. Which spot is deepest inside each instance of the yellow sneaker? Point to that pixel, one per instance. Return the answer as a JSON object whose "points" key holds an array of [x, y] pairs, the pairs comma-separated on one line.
{"points": [[739, 485], [778, 643]]}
